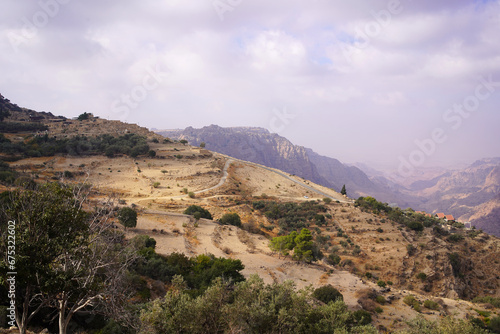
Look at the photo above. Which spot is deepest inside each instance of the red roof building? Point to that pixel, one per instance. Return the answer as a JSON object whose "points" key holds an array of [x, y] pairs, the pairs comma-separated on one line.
{"points": [[440, 215], [449, 217]]}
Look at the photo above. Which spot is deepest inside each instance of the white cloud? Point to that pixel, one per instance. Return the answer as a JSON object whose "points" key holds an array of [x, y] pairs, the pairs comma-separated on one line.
{"points": [[263, 55]]}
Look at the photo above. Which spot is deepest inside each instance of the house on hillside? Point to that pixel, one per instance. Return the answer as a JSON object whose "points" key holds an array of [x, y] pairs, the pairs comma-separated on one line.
{"points": [[449, 218], [440, 215]]}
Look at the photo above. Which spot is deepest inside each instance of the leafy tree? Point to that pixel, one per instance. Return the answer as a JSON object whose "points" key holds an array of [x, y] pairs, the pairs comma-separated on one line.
{"points": [[183, 141], [84, 116], [192, 209], [343, 191], [67, 259], [202, 144], [152, 153], [231, 219], [303, 250], [127, 217], [283, 244], [327, 293]]}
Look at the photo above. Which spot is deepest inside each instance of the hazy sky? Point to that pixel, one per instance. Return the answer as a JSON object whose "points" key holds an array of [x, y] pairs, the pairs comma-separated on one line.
{"points": [[356, 80]]}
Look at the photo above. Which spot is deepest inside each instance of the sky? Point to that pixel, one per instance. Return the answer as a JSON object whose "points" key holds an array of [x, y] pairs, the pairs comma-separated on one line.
{"points": [[401, 84]]}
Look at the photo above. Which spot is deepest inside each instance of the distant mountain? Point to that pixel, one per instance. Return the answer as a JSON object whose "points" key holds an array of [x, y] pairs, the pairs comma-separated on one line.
{"points": [[487, 216], [260, 146], [460, 193]]}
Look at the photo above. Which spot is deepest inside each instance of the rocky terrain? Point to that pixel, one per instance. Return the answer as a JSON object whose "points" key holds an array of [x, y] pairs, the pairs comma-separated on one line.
{"points": [[378, 255], [459, 193]]}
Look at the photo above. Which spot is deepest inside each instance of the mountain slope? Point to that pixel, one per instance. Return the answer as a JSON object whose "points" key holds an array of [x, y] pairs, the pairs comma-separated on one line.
{"points": [[260, 146]]}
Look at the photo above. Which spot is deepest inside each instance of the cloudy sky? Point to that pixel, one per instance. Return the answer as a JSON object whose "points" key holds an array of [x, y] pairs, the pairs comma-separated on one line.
{"points": [[374, 81]]}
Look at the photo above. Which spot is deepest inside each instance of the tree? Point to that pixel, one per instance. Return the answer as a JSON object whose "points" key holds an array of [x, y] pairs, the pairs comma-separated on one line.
{"points": [[327, 293], [231, 219], [343, 191], [202, 144], [283, 244], [192, 209], [128, 217], [84, 116], [183, 141], [303, 250], [42, 235], [66, 259], [152, 153], [3, 114]]}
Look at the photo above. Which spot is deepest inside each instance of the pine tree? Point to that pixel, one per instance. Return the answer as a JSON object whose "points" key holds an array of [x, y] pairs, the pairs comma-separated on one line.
{"points": [[343, 191]]}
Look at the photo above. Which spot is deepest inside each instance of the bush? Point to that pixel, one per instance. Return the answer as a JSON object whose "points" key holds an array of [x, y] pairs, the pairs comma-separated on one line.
{"points": [[422, 276], [67, 174], [191, 210], [380, 299], [362, 317], [411, 249], [327, 294], [231, 219], [410, 300], [191, 194], [333, 259], [381, 283], [156, 184], [494, 325], [455, 237], [431, 305], [128, 217]]}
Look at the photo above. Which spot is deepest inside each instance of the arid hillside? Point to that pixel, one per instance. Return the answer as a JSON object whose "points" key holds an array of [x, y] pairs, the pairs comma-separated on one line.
{"points": [[373, 255]]}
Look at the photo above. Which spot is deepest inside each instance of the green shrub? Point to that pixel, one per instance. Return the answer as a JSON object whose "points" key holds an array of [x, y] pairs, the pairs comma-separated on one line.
{"points": [[362, 317], [191, 194], [128, 217], [379, 310], [156, 184], [431, 305], [327, 294], [422, 276], [191, 210], [380, 299], [455, 237], [381, 283], [231, 219]]}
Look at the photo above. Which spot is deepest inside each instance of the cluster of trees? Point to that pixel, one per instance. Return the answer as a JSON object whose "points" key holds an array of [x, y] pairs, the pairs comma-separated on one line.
{"points": [[14, 127], [128, 144], [197, 272], [291, 216], [408, 217], [301, 244], [250, 306], [198, 212]]}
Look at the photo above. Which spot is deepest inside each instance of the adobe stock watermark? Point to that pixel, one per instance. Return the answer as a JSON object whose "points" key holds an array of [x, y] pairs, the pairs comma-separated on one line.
{"points": [[221, 7], [453, 117], [31, 24], [281, 119], [364, 35], [137, 94], [11, 274]]}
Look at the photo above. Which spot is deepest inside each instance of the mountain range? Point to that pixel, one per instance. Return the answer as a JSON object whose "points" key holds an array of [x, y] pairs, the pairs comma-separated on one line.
{"points": [[471, 193]]}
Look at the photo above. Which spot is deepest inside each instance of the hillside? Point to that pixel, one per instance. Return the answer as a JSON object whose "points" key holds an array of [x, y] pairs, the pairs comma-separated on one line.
{"points": [[459, 193], [369, 249], [260, 146]]}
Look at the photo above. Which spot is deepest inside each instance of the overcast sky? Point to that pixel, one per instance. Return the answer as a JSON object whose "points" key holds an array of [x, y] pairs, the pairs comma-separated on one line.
{"points": [[356, 80]]}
